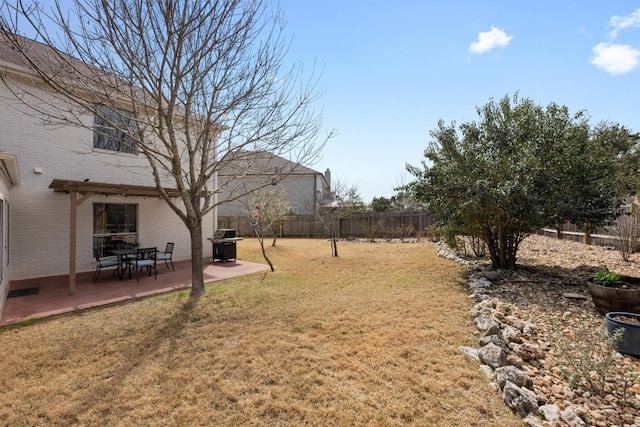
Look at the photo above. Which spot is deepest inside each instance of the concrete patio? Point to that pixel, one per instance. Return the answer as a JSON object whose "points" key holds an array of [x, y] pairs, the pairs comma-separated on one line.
{"points": [[53, 296]]}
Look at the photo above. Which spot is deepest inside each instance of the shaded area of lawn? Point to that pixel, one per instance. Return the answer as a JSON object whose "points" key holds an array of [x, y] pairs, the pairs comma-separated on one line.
{"points": [[370, 338]]}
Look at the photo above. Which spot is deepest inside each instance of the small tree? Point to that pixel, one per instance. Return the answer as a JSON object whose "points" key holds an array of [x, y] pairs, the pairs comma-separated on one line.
{"points": [[346, 200], [626, 229], [265, 209]]}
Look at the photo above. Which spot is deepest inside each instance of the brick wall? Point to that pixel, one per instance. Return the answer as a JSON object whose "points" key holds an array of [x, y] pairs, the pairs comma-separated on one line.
{"points": [[39, 217], [5, 277]]}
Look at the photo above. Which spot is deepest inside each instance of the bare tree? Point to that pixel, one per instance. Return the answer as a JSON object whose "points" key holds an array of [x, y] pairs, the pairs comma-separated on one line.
{"points": [[344, 200], [265, 209], [186, 82], [626, 228]]}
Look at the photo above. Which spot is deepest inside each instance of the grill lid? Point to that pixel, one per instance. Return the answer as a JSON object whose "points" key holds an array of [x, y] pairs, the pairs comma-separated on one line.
{"points": [[224, 233]]}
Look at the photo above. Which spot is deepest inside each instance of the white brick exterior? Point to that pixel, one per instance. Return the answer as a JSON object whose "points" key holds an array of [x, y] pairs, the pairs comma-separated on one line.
{"points": [[5, 277], [39, 217]]}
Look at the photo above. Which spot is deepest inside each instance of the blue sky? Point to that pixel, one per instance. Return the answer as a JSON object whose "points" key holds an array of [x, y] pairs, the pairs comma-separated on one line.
{"points": [[391, 70]]}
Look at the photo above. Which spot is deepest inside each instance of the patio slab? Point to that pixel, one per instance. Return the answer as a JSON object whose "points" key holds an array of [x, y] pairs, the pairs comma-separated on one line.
{"points": [[53, 296]]}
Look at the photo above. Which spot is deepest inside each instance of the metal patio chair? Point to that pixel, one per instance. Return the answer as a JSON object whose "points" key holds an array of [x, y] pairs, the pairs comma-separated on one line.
{"points": [[105, 262], [145, 258], [167, 256]]}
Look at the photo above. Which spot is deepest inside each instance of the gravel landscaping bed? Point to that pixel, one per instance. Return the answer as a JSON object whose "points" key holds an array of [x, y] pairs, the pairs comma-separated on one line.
{"points": [[579, 372]]}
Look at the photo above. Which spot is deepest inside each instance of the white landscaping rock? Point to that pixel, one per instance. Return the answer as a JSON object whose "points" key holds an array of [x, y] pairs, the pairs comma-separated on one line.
{"points": [[521, 400], [550, 412], [514, 375], [492, 355], [570, 417], [470, 351]]}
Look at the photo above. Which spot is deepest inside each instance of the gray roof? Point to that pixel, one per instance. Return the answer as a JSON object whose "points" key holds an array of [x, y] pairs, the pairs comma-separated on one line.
{"points": [[40, 55], [41, 60], [261, 163]]}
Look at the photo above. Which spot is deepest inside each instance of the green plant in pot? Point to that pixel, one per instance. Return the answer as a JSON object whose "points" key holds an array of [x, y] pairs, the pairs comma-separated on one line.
{"points": [[612, 292], [607, 278]]}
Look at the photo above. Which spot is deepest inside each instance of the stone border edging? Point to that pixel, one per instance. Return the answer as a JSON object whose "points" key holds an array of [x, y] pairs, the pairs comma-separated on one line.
{"points": [[506, 347]]}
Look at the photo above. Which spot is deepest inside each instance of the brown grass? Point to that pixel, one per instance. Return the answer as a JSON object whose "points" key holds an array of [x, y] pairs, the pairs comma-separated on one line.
{"points": [[370, 338]]}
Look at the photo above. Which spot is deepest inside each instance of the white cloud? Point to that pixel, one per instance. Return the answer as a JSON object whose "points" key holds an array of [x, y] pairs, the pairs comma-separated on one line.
{"points": [[489, 40], [620, 23], [615, 58]]}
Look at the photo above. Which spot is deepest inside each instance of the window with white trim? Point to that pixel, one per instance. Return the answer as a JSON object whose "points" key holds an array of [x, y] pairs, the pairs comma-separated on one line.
{"points": [[114, 224]]}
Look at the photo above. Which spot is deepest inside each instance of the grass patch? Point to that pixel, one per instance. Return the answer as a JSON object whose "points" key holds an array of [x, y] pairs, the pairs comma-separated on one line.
{"points": [[370, 338], [23, 323]]}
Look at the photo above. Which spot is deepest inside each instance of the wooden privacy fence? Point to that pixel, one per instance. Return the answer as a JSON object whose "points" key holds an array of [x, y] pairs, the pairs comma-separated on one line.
{"points": [[368, 225], [388, 225], [383, 224], [291, 226], [599, 237]]}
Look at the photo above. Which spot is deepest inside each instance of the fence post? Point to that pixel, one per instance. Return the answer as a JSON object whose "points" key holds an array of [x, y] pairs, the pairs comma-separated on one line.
{"points": [[587, 234]]}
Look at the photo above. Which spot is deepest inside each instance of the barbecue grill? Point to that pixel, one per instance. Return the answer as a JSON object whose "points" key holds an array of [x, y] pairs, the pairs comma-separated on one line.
{"points": [[224, 244]]}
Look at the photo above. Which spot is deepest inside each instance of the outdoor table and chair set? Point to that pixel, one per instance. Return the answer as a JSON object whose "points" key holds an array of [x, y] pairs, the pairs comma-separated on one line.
{"points": [[127, 257], [124, 257]]}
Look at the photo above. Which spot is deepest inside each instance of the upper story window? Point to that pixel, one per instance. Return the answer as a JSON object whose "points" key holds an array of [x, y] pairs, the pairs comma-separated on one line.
{"points": [[108, 130]]}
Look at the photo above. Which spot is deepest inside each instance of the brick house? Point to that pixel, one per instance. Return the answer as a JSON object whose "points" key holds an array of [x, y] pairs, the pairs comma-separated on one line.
{"points": [[53, 177]]}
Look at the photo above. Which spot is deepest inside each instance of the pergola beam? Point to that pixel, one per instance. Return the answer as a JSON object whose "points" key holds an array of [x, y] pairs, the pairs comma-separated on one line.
{"points": [[84, 187]]}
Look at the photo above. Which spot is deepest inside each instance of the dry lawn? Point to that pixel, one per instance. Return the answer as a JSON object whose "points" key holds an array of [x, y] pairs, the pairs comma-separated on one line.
{"points": [[370, 338]]}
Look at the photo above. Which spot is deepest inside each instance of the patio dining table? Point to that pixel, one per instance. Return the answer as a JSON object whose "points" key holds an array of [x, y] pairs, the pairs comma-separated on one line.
{"points": [[124, 258]]}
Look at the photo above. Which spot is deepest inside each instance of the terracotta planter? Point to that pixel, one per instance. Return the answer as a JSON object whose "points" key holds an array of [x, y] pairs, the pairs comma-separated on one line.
{"points": [[608, 299], [630, 342]]}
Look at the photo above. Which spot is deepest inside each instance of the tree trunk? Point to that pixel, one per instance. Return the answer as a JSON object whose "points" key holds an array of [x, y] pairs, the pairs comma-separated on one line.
{"points": [[490, 240], [197, 275], [334, 245], [493, 254], [559, 228], [587, 234], [264, 254], [512, 249], [260, 236], [502, 248], [502, 242]]}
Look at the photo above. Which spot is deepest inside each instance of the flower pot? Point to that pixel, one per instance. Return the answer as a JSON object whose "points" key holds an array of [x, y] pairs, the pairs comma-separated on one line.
{"points": [[607, 298], [630, 342]]}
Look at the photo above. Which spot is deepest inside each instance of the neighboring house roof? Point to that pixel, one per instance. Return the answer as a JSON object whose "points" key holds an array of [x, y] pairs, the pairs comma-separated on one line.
{"points": [[242, 163]]}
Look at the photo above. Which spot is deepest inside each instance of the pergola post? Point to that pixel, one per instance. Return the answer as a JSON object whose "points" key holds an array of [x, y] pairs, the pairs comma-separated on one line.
{"points": [[73, 220], [73, 212]]}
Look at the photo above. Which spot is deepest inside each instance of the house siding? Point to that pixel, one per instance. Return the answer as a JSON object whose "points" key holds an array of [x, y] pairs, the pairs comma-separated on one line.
{"points": [[5, 277], [39, 219], [300, 188]]}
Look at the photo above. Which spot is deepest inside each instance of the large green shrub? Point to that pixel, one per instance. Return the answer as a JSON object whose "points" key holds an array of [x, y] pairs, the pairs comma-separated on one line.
{"points": [[519, 167]]}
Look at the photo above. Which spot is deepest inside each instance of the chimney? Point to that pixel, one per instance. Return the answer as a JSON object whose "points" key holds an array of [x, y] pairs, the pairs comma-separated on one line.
{"points": [[327, 177]]}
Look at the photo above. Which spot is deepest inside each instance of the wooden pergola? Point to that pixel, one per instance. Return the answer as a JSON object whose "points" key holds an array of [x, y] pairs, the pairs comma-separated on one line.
{"points": [[79, 191]]}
